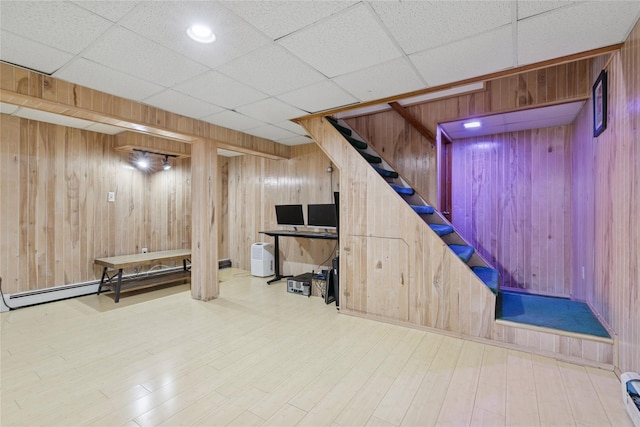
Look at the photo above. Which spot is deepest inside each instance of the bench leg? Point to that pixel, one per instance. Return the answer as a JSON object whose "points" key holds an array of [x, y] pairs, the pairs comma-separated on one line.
{"points": [[104, 274], [118, 285]]}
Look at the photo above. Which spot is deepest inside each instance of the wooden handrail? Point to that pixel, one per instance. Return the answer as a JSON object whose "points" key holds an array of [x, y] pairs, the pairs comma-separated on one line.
{"points": [[417, 125]]}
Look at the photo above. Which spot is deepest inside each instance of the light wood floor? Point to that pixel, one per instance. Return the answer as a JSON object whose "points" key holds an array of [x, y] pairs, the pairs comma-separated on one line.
{"points": [[260, 356]]}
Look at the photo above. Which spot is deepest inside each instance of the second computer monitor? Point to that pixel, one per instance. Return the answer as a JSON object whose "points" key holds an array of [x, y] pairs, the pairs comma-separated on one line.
{"points": [[322, 216]]}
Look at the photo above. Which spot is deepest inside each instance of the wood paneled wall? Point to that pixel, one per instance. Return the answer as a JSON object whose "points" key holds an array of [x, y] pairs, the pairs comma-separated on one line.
{"points": [[510, 195], [413, 155], [54, 214], [606, 203], [257, 184]]}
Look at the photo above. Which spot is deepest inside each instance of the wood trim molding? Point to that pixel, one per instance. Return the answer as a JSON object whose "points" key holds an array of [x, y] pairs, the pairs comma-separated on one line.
{"points": [[417, 125], [491, 76], [30, 89]]}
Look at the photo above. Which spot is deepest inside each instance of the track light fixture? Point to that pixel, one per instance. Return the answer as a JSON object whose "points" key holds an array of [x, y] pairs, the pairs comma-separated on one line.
{"points": [[143, 162], [165, 163]]}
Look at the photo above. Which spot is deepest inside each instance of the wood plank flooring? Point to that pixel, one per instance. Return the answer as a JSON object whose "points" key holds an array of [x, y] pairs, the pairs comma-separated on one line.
{"points": [[260, 356]]}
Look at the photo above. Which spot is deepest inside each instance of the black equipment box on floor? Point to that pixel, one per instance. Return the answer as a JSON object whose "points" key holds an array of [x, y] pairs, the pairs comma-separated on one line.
{"points": [[300, 284]]}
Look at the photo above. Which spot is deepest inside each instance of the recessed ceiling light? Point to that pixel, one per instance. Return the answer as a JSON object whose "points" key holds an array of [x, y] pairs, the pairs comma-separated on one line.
{"points": [[201, 33], [471, 125]]}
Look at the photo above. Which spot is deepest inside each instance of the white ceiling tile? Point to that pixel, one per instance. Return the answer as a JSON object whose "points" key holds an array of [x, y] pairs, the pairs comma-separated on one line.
{"points": [[482, 54], [179, 103], [291, 126], [130, 53], [270, 110], [272, 69], [348, 41], [106, 129], [232, 120], [296, 140], [62, 25], [96, 76], [528, 8], [44, 116], [36, 56], [318, 97], [279, 18], [166, 23], [271, 132], [227, 153], [581, 27], [420, 25], [112, 10], [380, 81], [221, 90], [8, 108]]}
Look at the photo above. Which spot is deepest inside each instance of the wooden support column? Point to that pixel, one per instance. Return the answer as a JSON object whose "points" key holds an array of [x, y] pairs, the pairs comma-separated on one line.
{"points": [[204, 232]]}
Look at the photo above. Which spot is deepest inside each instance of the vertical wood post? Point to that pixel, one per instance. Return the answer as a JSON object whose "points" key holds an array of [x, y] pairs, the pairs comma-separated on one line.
{"points": [[204, 232]]}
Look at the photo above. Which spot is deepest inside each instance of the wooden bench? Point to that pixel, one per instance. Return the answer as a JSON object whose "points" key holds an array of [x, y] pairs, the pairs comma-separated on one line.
{"points": [[138, 260]]}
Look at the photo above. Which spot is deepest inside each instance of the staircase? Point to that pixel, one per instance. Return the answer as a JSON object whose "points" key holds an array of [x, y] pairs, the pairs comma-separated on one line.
{"points": [[438, 224], [542, 338]]}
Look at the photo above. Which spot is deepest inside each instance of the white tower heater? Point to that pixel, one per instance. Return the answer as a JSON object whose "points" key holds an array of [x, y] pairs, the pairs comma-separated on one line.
{"points": [[262, 259]]}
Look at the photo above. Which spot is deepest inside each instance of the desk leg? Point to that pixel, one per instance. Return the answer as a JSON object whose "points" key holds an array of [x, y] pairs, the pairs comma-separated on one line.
{"points": [[276, 260], [104, 274], [118, 285]]}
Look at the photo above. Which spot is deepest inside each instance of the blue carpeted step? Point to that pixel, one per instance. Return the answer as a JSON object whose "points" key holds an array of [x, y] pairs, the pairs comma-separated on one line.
{"points": [[361, 145], [370, 158], [408, 191], [423, 209], [385, 173], [464, 252], [441, 229], [489, 276]]}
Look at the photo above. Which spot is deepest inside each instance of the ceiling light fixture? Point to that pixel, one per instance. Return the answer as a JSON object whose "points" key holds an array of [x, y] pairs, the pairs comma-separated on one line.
{"points": [[201, 33], [165, 163], [472, 125], [143, 161]]}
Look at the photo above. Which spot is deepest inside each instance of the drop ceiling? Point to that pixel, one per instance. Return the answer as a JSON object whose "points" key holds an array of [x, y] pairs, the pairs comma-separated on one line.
{"points": [[277, 60]]}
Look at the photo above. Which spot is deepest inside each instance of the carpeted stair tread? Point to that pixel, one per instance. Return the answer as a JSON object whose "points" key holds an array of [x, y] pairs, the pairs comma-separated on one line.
{"points": [[441, 229], [550, 312], [489, 276], [423, 209], [361, 145], [370, 158], [385, 173], [343, 130], [407, 191], [464, 252]]}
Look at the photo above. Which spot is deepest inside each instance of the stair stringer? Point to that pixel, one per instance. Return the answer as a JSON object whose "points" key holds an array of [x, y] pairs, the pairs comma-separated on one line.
{"points": [[432, 288]]}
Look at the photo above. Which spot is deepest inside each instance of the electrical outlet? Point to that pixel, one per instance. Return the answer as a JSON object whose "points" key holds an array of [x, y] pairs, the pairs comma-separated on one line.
{"points": [[144, 250], [111, 196]]}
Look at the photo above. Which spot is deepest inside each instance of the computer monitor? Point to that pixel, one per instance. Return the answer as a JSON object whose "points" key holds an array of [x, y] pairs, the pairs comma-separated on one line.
{"points": [[289, 215], [322, 216]]}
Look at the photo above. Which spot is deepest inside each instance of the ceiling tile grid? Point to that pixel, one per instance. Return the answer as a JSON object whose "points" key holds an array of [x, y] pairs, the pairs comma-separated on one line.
{"points": [[275, 60], [346, 42], [133, 54], [28, 53], [382, 80], [179, 103], [421, 25], [272, 69], [100, 77], [278, 18], [219, 89], [166, 23], [61, 25], [478, 55]]}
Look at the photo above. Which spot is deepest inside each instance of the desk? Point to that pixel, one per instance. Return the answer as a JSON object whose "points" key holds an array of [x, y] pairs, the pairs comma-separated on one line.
{"points": [[288, 233], [136, 260]]}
